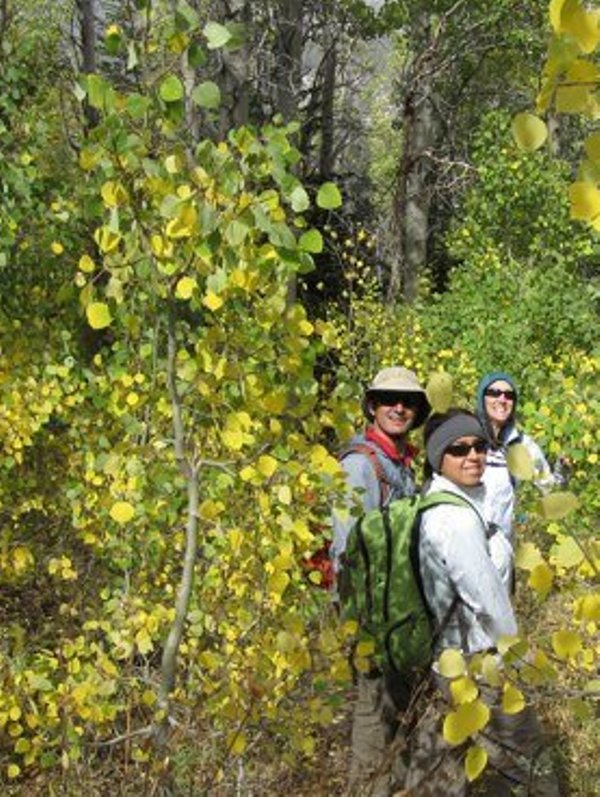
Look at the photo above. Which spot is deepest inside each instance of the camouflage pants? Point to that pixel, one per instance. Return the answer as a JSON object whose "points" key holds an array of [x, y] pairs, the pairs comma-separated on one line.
{"points": [[518, 763], [378, 764]]}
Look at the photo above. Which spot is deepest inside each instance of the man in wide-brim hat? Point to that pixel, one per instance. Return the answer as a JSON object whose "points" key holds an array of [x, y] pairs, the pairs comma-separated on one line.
{"points": [[378, 468]]}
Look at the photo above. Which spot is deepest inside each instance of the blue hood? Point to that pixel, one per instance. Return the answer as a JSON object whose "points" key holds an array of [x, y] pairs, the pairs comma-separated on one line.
{"points": [[484, 383]]}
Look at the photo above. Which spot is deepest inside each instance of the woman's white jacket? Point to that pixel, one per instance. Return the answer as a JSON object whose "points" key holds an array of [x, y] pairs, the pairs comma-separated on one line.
{"points": [[459, 557]]}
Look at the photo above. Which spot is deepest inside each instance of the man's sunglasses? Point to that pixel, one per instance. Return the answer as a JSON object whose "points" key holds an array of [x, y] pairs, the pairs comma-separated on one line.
{"points": [[495, 392], [409, 400], [464, 449]]}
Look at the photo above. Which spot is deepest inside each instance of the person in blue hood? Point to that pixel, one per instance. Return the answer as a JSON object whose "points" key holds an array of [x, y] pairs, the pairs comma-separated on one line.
{"points": [[496, 407]]}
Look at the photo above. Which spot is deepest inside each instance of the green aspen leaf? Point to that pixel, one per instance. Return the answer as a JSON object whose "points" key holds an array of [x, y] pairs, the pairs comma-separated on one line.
{"points": [[541, 579], [566, 552], [236, 233], [451, 664], [132, 56], [196, 56], [281, 235], [519, 462], [528, 556], [122, 512], [513, 701], [311, 241], [329, 197], [216, 35], [186, 17], [566, 644], [475, 762], [96, 91], [171, 89], [439, 391], [558, 504], [78, 91], [207, 95], [299, 199], [529, 131], [585, 201], [98, 315]]}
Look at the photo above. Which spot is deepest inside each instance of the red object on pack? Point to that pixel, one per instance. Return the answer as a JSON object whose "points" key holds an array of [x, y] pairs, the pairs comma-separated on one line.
{"points": [[321, 563]]}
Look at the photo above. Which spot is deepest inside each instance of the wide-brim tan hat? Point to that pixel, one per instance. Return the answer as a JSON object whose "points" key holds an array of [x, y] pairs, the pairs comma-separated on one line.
{"points": [[397, 379]]}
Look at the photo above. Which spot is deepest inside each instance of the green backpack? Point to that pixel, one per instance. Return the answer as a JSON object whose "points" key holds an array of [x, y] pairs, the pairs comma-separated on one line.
{"points": [[380, 583]]}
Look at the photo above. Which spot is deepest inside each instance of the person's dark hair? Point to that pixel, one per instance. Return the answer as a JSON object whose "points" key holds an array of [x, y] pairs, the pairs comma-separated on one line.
{"points": [[434, 422]]}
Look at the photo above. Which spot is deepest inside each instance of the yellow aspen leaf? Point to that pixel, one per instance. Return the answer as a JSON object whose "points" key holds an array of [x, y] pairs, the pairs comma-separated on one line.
{"points": [[212, 300], [439, 391], [519, 462], [588, 608], [464, 690], [184, 225], [529, 131], [592, 146], [106, 239], [475, 762], [585, 201], [278, 583], [86, 264], [582, 25], [266, 465], [490, 670], [143, 641], [558, 504], [122, 511], [541, 579], [113, 194], [305, 327], [528, 556], [173, 164], [513, 700], [468, 719], [148, 697], [574, 97], [366, 647], [13, 771], [14, 713], [98, 315], [185, 287], [451, 664], [247, 473], [555, 11], [566, 552], [57, 248], [284, 494], [566, 644], [233, 439], [238, 744], [22, 558]]}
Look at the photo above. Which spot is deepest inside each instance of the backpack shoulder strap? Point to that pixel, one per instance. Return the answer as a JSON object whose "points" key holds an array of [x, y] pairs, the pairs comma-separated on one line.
{"points": [[446, 497], [364, 448]]}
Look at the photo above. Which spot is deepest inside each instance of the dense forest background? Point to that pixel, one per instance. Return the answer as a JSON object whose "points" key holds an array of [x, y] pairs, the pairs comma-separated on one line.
{"points": [[217, 221]]}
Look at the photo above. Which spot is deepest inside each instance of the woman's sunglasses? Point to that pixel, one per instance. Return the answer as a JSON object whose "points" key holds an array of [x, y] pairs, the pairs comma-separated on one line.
{"points": [[495, 392], [464, 449]]}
